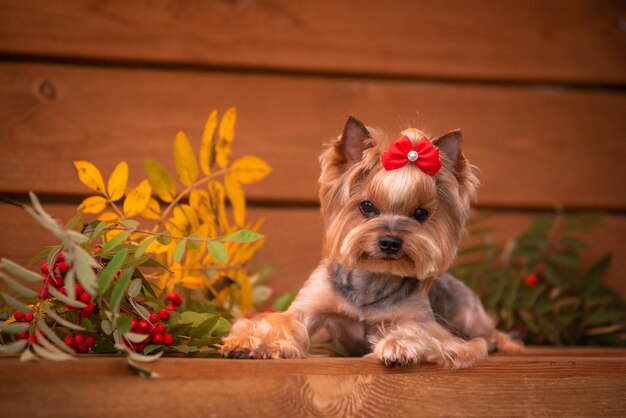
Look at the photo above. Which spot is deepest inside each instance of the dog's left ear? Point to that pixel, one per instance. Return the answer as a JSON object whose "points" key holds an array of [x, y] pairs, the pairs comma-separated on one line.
{"points": [[450, 147], [353, 141]]}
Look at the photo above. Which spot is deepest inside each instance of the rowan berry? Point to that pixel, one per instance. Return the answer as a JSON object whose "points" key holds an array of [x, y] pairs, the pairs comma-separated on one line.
{"points": [[90, 341], [63, 267], [143, 326], [19, 316], [164, 314], [133, 325], [78, 290], [157, 339], [160, 328], [85, 297], [79, 338], [154, 318], [168, 339], [531, 280], [170, 307], [23, 335], [69, 341], [28, 317], [45, 269]]}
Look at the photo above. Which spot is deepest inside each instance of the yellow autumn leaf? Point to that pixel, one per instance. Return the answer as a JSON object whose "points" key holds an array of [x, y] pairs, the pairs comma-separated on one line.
{"points": [[246, 296], [137, 200], [93, 204], [237, 199], [200, 201], [225, 137], [108, 217], [207, 148], [152, 210], [90, 176], [217, 198], [186, 165], [249, 169], [117, 181], [194, 282], [161, 180]]}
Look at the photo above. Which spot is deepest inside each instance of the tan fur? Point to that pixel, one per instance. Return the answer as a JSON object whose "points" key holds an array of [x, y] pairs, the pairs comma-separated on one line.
{"points": [[398, 333]]}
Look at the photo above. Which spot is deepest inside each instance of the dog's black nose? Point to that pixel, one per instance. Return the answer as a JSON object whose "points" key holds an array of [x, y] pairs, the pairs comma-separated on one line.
{"points": [[389, 244]]}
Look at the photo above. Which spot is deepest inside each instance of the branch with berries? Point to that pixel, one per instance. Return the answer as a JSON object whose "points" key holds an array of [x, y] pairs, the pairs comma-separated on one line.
{"points": [[537, 285]]}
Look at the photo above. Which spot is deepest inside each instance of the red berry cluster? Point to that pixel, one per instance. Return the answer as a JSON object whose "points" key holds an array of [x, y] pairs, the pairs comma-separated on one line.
{"points": [[175, 300], [154, 328], [79, 343], [56, 277], [23, 317], [53, 276]]}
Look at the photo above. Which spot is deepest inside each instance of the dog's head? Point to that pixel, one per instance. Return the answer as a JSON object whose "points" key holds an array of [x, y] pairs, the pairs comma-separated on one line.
{"points": [[400, 221]]}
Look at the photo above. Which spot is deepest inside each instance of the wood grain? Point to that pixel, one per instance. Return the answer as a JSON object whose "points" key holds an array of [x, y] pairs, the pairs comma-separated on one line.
{"points": [[534, 147], [294, 241], [556, 40], [554, 383]]}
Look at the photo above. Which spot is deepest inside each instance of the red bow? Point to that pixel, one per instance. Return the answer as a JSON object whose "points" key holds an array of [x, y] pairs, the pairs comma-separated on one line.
{"points": [[426, 156]]}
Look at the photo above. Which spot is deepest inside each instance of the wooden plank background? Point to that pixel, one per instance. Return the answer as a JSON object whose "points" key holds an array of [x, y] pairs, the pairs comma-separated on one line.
{"points": [[541, 382], [538, 89]]}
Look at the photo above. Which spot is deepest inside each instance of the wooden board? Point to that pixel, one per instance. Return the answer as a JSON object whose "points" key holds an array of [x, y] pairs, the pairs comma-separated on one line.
{"points": [[555, 41], [534, 147], [294, 239], [555, 383]]}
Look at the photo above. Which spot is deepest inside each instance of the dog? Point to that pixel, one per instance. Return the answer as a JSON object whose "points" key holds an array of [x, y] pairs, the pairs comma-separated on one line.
{"points": [[394, 215]]}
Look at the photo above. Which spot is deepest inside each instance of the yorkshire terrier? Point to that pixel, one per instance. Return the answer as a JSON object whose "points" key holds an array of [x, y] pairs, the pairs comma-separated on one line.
{"points": [[394, 215]]}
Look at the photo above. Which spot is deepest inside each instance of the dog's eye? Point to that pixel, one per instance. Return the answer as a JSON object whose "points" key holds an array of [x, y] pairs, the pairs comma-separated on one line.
{"points": [[420, 214], [368, 208]]}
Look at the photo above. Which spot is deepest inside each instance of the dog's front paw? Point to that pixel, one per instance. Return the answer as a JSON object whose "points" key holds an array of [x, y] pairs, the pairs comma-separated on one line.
{"points": [[266, 336], [392, 351]]}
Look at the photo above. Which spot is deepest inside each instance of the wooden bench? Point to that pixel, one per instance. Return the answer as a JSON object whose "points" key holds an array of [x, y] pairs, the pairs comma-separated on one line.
{"points": [[541, 382]]}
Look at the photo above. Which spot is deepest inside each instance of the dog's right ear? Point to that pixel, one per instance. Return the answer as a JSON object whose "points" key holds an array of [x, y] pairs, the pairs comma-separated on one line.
{"points": [[353, 141]]}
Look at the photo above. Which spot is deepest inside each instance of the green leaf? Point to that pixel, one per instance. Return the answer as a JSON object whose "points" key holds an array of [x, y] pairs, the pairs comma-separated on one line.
{"points": [[574, 243], [19, 271], [106, 275], [124, 323], [65, 299], [133, 337], [283, 302], [107, 327], [98, 228], [184, 348], [59, 319], [84, 264], [152, 347], [18, 288], [43, 254], [567, 260], [48, 355], [115, 241], [164, 239], [139, 357], [179, 250], [130, 223], [217, 250], [592, 281], [204, 329], [14, 347], [243, 235], [194, 241], [14, 303], [13, 327], [118, 292], [144, 246], [134, 288], [180, 329], [143, 312], [141, 372], [59, 343]]}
